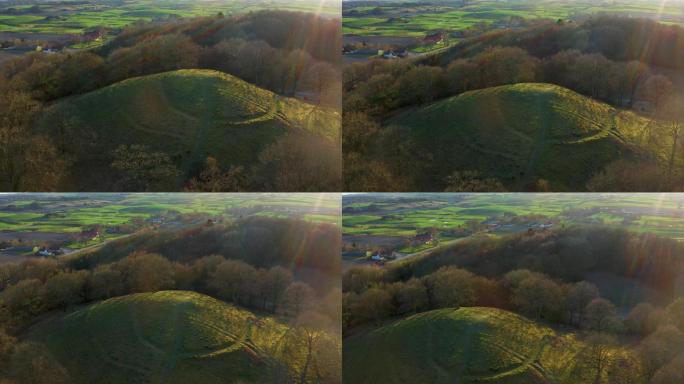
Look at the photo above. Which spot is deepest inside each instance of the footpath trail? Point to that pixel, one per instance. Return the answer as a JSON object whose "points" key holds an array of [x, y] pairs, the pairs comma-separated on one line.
{"points": [[528, 175], [425, 251]]}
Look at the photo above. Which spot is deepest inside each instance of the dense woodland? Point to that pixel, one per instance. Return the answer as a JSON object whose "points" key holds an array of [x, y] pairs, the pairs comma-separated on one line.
{"points": [[290, 53], [248, 263], [542, 276], [623, 62]]}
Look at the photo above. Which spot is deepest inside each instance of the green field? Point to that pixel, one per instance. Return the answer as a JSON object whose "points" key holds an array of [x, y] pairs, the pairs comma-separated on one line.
{"points": [[393, 217], [72, 213], [468, 345], [188, 114], [169, 337], [399, 19], [525, 132], [76, 17]]}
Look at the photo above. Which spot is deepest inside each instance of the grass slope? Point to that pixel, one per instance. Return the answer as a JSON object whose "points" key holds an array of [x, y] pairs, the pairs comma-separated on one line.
{"points": [[169, 337], [524, 132], [188, 114], [468, 345]]}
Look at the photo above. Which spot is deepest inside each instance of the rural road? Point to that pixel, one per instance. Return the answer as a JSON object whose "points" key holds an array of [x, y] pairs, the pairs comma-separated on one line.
{"points": [[425, 251]]}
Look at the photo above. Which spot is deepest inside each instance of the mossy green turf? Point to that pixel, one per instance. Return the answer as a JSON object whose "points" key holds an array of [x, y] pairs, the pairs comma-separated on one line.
{"points": [[525, 132], [468, 345], [166, 337], [188, 114]]}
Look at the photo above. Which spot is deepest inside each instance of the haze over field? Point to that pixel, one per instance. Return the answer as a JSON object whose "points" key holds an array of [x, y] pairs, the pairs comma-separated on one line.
{"points": [[513, 288]]}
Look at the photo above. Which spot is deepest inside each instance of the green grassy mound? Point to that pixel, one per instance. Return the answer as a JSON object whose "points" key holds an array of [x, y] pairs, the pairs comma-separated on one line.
{"points": [[188, 114], [167, 337], [525, 132], [468, 345]]}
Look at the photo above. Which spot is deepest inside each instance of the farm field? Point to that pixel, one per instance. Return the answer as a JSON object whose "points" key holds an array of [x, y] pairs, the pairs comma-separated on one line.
{"points": [[402, 19], [61, 218], [76, 17], [371, 222], [188, 114], [467, 345]]}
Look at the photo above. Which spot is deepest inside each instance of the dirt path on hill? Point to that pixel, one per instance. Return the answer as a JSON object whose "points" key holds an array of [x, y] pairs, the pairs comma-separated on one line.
{"points": [[540, 143]]}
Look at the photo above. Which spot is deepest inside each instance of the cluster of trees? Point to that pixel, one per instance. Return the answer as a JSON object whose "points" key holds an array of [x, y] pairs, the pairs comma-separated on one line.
{"points": [[567, 254], [234, 45], [531, 293], [379, 87], [617, 38], [259, 241], [296, 162], [38, 286], [28, 162]]}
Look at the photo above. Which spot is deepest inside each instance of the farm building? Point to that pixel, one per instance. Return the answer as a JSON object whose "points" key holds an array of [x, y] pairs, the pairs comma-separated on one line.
{"points": [[433, 38], [425, 237], [49, 251], [88, 235]]}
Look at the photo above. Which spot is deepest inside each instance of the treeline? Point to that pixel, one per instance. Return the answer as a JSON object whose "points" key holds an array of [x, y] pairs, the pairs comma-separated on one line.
{"points": [[534, 294], [261, 241], [567, 254], [617, 38], [32, 288], [564, 254], [289, 53], [381, 86], [608, 58]]}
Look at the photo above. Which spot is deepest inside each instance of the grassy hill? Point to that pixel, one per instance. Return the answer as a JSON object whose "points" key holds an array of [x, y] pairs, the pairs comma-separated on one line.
{"points": [[168, 337], [187, 114], [524, 132], [468, 345]]}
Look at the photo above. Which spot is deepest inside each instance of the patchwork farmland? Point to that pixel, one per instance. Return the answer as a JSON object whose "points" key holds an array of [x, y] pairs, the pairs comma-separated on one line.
{"points": [[410, 225]]}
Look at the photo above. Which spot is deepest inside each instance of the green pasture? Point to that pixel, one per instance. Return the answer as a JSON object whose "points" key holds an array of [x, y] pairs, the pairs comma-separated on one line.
{"points": [[63, 18], [75, 214], [525, 132], [187, 114], [663, 215], [171, 337], [469, 345], [414, 21]]}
